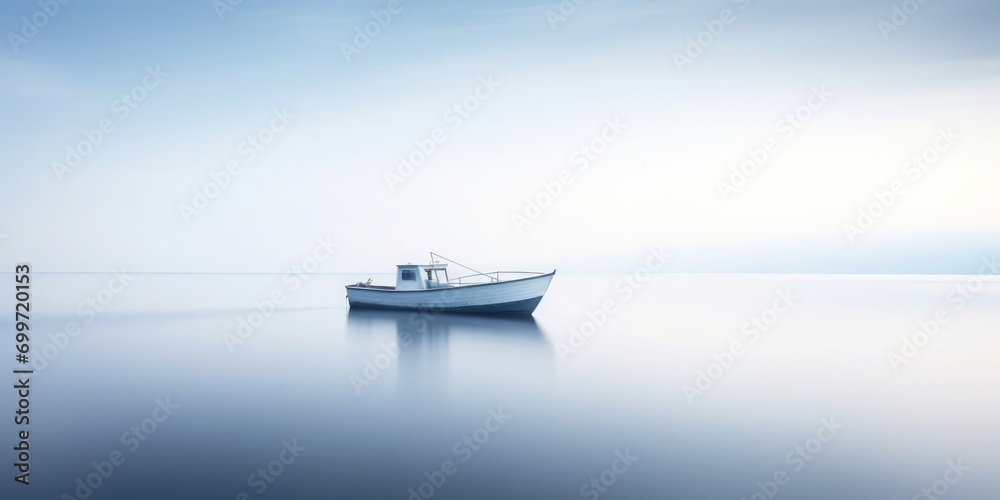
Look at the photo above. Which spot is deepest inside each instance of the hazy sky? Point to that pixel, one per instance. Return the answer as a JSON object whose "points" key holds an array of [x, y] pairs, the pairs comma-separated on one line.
{"points": [[870, 92]]}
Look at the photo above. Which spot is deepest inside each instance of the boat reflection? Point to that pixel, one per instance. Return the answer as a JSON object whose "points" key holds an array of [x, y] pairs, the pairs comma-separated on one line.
{"points": [[434, 347]]}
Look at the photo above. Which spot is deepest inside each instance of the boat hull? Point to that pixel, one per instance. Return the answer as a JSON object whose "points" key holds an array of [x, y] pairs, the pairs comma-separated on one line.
{"points": [[506, 297]]}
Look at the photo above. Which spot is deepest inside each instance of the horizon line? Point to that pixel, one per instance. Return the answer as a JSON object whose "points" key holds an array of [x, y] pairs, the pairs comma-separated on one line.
{"points": [[601, 273]]}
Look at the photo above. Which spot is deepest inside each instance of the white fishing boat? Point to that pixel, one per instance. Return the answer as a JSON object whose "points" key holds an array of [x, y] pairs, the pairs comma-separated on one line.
{"points": [[428, 288]]}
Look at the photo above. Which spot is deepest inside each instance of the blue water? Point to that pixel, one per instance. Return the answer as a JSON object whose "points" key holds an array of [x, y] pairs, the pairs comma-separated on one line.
{"points": [[374, 404]]}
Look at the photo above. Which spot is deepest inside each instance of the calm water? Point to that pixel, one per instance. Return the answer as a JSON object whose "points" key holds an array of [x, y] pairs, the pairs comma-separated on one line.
{"points": [[321, 402]]}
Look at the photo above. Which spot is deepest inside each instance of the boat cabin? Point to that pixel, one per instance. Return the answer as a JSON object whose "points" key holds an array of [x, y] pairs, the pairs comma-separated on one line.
{"points": [[417, 277]]}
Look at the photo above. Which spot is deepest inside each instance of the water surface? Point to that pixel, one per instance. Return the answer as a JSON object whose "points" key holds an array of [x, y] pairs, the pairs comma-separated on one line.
{"points": [[373, 404]]}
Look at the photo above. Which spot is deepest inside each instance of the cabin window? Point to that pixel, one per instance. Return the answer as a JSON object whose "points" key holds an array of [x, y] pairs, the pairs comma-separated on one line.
{"points": [[409, 275]]}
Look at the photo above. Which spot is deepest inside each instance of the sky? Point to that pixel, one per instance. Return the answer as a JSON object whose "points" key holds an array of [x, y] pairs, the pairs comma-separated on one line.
{"points": [[540, 135]]}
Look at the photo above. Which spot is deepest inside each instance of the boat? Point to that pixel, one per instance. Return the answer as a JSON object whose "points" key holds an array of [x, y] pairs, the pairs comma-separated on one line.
{"points": [[428, 288]]}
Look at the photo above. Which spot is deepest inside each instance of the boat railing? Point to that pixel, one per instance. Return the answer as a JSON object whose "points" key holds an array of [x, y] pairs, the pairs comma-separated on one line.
{"points": [[493, 276]]}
